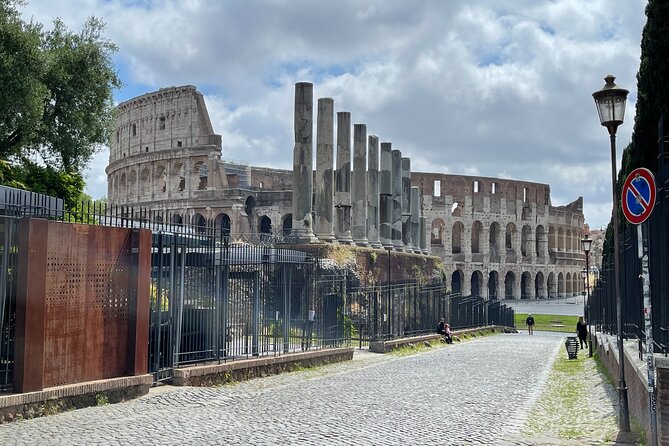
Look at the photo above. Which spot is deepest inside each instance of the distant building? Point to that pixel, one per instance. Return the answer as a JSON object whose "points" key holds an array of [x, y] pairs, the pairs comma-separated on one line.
{"points": [[498, 238]]}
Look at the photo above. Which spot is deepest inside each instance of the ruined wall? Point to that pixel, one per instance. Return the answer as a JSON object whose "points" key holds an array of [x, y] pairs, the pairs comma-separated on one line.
{"points": [[502, 238], [498, 238]]}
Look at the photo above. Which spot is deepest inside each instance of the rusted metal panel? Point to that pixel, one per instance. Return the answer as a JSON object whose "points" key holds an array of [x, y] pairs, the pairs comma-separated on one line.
{"points": [[30, 309], [138, 333], [88, 295]]}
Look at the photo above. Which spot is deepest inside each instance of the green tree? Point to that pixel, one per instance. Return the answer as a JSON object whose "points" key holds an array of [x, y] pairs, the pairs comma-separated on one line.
{"points": [[652, 100], [56, 88]]}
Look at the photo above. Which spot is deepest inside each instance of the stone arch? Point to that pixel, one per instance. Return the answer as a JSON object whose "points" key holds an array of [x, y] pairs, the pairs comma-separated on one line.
{"points": [[560, 239], [265, 225], [114, 188], [526, 285], [177, 219], [495, 251], [145, 182], [287, 224], [568, 285], [510, 237], [477, 230], [568, 244], [457, 279], [249, 205], [510, 285], [560, 285], [223, 223], [526, 213], [576, 281], [437, 232], [526, 241], [456, 209], [179, 175], [493, 285], [198, 222], [551, 239], [476, 282], [456, 237], [123, 186], [201, 176], [160, 179], [540, 242], [132, 183], [552, 286], [539, 286]]}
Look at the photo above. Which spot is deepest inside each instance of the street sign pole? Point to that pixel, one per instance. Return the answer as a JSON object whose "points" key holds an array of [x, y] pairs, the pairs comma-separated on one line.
{"points": [[642, 243], [638, 200]]}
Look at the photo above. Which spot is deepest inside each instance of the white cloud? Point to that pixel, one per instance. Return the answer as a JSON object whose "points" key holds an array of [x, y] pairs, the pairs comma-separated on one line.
{"points": [[493, 88]]}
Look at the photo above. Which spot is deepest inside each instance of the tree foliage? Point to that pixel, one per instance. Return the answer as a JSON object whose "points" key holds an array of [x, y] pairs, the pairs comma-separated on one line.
{"points": [[56, 90], [652, 99]]}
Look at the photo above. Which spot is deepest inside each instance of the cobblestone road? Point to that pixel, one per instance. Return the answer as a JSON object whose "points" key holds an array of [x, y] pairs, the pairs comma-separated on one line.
{"points": [[476, 392]]}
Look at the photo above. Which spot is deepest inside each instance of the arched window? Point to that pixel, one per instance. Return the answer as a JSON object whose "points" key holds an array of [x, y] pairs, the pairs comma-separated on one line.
{"points": [[456, 237], [437, 233], [265, 226], [477, 230]]}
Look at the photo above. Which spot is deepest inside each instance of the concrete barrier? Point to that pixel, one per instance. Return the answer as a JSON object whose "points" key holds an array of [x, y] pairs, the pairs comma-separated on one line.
{"points": [[212, 374], [72, 396], [392, 344]]}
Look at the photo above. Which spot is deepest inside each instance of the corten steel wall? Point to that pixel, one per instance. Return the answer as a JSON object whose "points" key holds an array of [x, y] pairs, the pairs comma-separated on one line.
{"points": [[82, 303]]}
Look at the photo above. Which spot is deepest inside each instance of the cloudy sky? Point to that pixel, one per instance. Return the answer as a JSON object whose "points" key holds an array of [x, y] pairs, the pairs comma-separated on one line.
{"points": [[499, 88]]}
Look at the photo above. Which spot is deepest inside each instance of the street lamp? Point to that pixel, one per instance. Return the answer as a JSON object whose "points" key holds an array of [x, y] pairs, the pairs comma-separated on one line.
{"points": [[586, 244], [611, 101]]}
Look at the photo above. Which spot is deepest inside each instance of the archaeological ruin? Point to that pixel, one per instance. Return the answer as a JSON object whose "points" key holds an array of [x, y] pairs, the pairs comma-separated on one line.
{"points": [[498, 238]]}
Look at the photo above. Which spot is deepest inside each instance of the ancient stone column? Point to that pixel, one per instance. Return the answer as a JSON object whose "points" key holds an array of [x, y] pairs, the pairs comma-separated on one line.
{"points": [[423, 238], [343, 179], [303, 164], [373, 191], [406, 208], [396, 215], [385, 196], [415, 219], [359, 186], [323, 219]]}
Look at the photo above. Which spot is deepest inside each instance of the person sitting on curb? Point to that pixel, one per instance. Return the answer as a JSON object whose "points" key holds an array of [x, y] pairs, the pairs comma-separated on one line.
{"points": [[447, 334], [530, 324], [444, 329]]}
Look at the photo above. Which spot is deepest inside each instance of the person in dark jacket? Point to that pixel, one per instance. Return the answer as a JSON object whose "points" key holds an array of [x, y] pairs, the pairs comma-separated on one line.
{"points": [[444, 329], [530, 324], [582, 331]]}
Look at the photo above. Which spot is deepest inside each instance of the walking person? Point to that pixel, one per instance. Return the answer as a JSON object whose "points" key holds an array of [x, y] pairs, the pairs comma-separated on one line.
{"points": [[582, 331], [530, 324]]}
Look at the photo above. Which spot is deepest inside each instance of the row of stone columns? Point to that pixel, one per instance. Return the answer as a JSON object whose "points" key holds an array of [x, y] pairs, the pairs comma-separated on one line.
{"points": [[372, 204]]}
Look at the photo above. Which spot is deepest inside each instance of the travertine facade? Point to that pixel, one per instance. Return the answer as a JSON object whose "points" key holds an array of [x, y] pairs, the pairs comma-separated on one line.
{"points": [[498, 238]]}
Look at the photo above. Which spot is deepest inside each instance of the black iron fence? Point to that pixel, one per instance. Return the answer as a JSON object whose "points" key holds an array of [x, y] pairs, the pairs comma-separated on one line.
{"points": [[215, 298], [602, 304]]}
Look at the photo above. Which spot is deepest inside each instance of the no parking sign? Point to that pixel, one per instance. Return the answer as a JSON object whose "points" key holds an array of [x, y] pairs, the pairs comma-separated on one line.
{"points": [[638, 195]]}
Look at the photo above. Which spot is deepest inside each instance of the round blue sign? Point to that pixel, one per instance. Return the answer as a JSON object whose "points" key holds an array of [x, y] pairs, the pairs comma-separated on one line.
{"points": [[638, 195]]}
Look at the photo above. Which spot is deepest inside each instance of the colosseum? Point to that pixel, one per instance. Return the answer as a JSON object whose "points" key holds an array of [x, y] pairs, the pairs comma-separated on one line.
{"points": [[498, 238]]}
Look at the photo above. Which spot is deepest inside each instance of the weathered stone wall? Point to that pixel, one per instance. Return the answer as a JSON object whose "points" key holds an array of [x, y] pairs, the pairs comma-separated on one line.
{"points": [[502, 238], [497, 237]]}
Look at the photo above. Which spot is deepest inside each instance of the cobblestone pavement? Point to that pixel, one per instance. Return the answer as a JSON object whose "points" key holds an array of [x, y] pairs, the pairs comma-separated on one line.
{"points": [[475, 392]]}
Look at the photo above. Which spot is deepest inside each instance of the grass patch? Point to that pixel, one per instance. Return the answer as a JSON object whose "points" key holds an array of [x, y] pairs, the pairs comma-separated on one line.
{"points": [[410, 349], [542, 322], [564, 410]]}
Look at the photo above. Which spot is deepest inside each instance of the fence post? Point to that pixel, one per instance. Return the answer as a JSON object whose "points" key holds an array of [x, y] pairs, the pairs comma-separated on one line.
{"points": [[30, 305], [138, 317]]}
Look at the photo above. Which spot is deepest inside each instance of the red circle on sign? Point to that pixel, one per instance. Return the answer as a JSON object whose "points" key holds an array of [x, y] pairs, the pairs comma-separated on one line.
{"points": [[638, 202]]}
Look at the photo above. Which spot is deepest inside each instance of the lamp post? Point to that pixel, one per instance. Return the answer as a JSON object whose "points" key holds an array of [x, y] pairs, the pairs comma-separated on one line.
{"points": [[610, 102], [586, 244]]}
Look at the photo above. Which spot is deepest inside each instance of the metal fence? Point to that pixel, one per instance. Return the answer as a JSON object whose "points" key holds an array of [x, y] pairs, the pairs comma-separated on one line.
{"points": [[215, 298], [602, 304]]}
